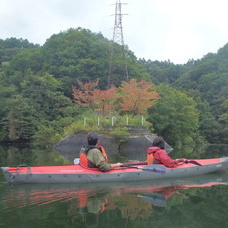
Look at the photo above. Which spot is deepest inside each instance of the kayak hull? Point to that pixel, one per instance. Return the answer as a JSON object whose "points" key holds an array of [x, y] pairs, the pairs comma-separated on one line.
{"points": [[78, 174]]}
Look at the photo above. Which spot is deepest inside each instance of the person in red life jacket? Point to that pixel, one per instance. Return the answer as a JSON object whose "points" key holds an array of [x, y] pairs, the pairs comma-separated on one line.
{"points": [[94, 155], [156, 154]]}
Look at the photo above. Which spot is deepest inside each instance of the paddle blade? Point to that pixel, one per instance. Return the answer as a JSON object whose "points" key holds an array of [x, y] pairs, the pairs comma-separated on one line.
{"points": [[154, 168], [190, 161], [195, 163]]}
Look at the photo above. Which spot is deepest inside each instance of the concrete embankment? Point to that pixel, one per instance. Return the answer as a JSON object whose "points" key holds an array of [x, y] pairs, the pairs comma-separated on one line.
{"points": [[133, 148]]}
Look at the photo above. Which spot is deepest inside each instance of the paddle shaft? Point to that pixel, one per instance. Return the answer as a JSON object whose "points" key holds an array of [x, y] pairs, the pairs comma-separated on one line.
{"points": [[151, 168], [189, 161], [134, 163]]}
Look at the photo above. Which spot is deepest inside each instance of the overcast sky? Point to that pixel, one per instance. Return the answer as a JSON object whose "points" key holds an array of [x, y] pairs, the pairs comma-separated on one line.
{"points": [[176, 30]]}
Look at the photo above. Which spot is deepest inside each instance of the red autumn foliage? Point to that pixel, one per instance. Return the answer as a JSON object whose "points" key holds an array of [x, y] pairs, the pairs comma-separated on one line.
{"points": [[137, 97], [134, 97], [84, 95], [104, 100]]}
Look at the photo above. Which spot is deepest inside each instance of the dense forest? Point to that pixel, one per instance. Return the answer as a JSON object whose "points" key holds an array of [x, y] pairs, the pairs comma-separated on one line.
{"points": [[36, 88]]}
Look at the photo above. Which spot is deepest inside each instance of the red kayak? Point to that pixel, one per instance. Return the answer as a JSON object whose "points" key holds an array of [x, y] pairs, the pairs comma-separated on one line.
{"points": [[79, 174]]}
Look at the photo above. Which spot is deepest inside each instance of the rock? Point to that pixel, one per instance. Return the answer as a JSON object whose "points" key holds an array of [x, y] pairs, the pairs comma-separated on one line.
{"points": [[134, 148]]}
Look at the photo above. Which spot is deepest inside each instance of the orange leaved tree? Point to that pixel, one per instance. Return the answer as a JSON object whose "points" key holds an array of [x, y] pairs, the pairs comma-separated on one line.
{"points": [[104, 100], [137, 97], [84, 95]]}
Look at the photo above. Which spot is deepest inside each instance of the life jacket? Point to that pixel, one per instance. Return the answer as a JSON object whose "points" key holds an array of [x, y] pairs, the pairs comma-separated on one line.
{"points": [[101, 148], [150, 155], [84, 161]]}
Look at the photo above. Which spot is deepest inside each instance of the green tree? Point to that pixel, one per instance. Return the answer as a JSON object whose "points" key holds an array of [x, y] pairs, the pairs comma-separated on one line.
{"points": [[208, 126], [21, 118], [6, 94], [12, 46], [162, 72], [27, 60], [43, 91], [174, 116]]}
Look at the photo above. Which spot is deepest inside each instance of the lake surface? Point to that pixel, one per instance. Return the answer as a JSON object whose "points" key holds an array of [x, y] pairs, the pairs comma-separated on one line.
{"points": [[201, 201]]}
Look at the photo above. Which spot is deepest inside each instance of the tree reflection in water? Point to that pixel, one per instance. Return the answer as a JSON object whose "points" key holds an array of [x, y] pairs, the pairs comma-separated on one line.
{"points": [[89, 201]]}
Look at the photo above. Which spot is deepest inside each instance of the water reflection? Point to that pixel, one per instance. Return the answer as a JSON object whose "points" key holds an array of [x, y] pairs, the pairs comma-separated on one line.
{"points": [[15, 155], [131, 198]]}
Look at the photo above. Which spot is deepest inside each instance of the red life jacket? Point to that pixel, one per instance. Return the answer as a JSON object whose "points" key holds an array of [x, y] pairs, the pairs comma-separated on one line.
{"points": [[83, 156], [150, 155]]}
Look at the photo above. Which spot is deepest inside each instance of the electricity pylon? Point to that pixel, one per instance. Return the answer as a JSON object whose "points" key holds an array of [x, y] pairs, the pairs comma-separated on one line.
{"points": [[118, 38]]}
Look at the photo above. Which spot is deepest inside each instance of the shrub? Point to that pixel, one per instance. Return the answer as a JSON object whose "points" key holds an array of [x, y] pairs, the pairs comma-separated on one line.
{"points": [[121, 134]]}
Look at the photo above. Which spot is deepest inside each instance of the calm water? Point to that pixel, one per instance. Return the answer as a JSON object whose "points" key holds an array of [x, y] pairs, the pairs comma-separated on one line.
{"points": [[193, 202]]}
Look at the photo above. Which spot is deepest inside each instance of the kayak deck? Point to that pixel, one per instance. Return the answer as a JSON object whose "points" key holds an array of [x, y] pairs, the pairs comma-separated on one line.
{"points": [[80, 169]]}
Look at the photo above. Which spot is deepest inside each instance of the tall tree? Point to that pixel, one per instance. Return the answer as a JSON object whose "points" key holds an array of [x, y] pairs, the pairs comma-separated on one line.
{"points": [[84, 95], [137, 97], [6, 94], [43, 92], [174, 116], [22, 121], [104, 101]]}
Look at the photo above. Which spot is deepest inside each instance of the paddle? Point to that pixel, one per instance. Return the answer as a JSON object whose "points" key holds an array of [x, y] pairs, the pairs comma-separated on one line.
{"points": [[159, 169], [77, 161], [134, 163], [189, 161]]}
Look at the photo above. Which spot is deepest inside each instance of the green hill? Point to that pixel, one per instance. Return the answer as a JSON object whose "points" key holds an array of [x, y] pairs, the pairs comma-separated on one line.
{"points": [[35, 86]]}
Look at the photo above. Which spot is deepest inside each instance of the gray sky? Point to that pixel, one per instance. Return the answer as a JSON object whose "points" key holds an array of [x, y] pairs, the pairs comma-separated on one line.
{"points": [[176, 30]]}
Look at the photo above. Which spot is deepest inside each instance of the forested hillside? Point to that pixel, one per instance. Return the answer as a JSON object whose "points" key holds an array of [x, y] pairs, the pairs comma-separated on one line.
{"points": [[36, 96], [206, 81]]}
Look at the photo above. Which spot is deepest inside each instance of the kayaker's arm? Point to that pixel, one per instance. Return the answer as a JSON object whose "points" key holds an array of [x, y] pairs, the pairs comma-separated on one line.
{"points": [[165, 159], [98, 160], [116, 165]]}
